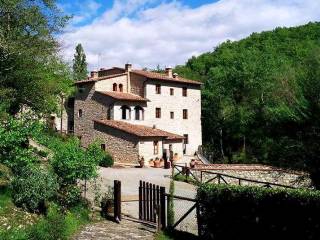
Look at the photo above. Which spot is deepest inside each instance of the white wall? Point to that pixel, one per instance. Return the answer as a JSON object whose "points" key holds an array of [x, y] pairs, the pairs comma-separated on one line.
{"points": [[176, 103], [146, 150]]}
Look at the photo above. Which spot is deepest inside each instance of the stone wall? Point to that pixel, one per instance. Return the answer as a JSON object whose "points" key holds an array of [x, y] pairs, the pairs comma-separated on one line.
{"points": [[253, 172]]}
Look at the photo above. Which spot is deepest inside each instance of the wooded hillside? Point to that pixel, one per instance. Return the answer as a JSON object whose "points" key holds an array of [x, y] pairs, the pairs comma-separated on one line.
{"points": [[261, 97]]}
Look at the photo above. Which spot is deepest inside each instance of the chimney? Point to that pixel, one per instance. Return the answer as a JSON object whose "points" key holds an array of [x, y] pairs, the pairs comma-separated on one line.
{"points": [[169, 72], [128, 67], [175, 75], [94, 74]]}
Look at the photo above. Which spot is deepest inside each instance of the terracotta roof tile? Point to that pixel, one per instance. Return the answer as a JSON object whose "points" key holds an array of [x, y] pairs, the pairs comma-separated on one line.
{"points": [[124, 96], [160, 76], [100, 78], [138, 130]]}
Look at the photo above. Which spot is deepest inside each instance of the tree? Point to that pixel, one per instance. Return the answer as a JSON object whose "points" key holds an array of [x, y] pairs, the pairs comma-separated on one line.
{"points": [[79, 64], [31, 73]]}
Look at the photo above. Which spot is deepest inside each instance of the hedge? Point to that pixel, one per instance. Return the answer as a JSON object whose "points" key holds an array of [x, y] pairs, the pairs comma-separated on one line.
{"points": [[239, 212]]}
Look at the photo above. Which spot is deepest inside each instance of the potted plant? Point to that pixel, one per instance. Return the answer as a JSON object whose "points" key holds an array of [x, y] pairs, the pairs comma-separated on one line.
{"points": [[107, 203], [175, 158], [141, 162], [157, 163], [151, 163], [161, 162]]}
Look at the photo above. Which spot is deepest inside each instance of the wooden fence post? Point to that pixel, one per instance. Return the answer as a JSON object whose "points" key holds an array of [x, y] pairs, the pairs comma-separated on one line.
{"points": [[163, 207], [140, 200], [117, 200]]}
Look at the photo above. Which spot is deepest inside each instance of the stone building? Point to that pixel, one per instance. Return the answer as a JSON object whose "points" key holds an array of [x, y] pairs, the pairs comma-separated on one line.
{"points": [[136, 113]]}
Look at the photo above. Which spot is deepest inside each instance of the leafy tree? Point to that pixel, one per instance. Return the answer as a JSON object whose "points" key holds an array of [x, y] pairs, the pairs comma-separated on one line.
{"points": [[260, 98], [31, 73], [79, 64]]}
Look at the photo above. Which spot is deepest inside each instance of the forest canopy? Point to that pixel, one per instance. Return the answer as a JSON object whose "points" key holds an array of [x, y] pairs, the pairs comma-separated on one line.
{"points": [[261, 97]]}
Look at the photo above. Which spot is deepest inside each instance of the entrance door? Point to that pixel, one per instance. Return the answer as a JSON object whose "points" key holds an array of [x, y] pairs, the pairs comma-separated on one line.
{"points": [[170, 152], [185, 142]]}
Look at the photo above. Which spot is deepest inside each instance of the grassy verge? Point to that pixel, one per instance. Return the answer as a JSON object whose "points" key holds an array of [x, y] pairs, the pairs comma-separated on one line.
{"points": [[16, 224], [183, 178]]}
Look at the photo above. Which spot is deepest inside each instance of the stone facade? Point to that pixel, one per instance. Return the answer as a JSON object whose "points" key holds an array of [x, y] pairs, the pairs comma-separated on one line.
{"points": [[91, 104]]}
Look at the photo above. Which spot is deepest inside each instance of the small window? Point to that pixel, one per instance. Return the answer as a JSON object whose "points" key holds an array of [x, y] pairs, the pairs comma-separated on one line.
{"points": [[186, 138], [120, 87], [185, 114], [171, 91], [103, 147], [158, 112], [184, 91], [172, 115], [138, 113], [155, 147], [80, 113], [114, 87], [158, 89]]}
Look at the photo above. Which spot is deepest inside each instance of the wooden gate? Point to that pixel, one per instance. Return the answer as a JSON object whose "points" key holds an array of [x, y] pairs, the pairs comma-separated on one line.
{"points": [[152, 203]]}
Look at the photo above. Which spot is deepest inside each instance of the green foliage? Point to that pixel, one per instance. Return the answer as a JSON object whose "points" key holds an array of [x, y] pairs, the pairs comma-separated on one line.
{"points": [[107, 161], [33, 188], [238, 212], [31, 72], [14, 134], [79, 64], [170, 217], [72, 163], [57, 225], [69, 196], [260, 98]]}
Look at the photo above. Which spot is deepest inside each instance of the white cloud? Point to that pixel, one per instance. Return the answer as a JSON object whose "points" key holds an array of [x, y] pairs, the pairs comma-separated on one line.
{"points": [[170, 33]]}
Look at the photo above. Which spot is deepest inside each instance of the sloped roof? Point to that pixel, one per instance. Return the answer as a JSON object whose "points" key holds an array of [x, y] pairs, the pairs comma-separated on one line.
{"points": [[99, 78], [138, 130], [124, 96], [161, 76]]}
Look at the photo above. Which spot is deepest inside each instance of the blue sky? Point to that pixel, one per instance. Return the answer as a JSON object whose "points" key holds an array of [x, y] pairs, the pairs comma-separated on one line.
{"points": [[148, 33]]}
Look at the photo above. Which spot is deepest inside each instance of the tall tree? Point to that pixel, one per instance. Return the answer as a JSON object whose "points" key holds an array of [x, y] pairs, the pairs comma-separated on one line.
{"points": [[79, 64], [31, 73]]}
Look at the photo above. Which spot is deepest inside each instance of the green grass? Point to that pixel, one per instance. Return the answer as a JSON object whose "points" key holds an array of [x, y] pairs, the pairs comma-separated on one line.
{"points": [[183, 178]]}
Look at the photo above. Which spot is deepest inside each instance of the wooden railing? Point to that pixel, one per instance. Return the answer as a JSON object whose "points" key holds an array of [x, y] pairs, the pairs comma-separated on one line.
{"points": [[220, 177]]}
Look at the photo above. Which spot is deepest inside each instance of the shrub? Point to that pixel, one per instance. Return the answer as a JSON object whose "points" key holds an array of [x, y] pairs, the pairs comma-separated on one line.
{"points": [[33, 188], [69, 196], [238, 212], [57, 225], [106, 161]]}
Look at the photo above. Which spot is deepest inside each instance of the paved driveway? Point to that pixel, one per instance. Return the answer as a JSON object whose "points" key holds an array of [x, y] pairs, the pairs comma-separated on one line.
{"points": [[130, 178]]}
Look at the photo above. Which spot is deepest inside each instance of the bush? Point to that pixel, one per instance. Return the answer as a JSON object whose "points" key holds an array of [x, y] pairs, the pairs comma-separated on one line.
{"points": [[33, 188], [69, 196], [57, 225], [106, 161], [234, 212]]}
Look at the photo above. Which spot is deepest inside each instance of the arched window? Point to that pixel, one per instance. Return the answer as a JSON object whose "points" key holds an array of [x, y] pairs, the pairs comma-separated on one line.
{"points": [[80, 113], [120, 87], [138, 113], [126, 112], [114, 87]]}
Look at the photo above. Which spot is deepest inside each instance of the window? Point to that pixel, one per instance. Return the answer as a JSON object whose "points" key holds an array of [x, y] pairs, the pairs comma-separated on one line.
{"points": [[155, 147], [185, 114], [125, 112], [171, 91], [158, 112], [138, 113], [80, 113], [172, 115], [103, 147], [158, 89], [184, 91], [120, 87], [114, 87], [186, 138]]}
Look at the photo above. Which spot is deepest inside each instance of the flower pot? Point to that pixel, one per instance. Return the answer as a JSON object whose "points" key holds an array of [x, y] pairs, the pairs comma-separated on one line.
{"points": [[157, 164]]}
